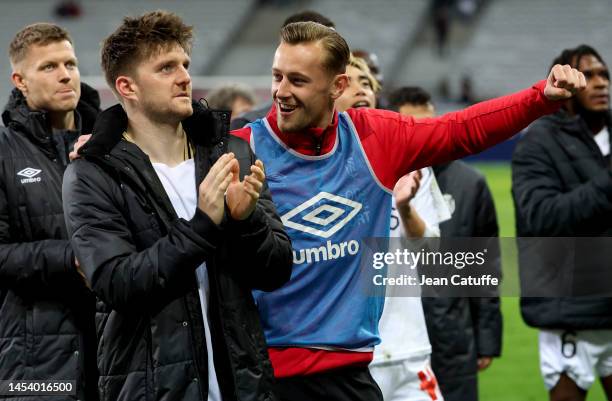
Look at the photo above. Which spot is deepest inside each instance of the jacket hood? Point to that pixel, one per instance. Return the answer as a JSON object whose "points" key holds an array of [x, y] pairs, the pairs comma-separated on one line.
{"points": [[17, 114], [203, 127]]}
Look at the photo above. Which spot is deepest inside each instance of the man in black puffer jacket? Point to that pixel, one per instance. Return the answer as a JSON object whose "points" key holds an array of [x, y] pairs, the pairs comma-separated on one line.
{"points": [[562, 187], [47, 312], [172, 259]]}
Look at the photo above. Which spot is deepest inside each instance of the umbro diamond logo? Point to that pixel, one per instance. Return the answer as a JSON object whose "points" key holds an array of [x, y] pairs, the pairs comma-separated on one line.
{"points": [[29, 172], [322, 215], [30, 175]]}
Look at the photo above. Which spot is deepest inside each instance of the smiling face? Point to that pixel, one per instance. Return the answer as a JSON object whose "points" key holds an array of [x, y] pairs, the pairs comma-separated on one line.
{"points": [[48, 77], [303, 90], [596, 96], [360, 92], [161, 85]]}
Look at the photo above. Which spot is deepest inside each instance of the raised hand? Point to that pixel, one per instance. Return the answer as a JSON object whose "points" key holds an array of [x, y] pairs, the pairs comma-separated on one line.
{"points": [[563, 82], [77, 145], [242, 196], [212, 189], [406, 188]]}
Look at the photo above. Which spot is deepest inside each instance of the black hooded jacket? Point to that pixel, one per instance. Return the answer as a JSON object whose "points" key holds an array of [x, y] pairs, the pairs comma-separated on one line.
{"points": [[47, 327], [562, 187], [141, 260]]}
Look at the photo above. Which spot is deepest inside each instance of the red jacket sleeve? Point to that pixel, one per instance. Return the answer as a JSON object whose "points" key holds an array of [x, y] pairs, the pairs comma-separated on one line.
{"points": [[396, 144]]}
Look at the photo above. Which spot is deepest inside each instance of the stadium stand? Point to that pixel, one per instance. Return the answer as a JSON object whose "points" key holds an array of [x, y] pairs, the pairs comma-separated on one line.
{"points": [[516, 38]]}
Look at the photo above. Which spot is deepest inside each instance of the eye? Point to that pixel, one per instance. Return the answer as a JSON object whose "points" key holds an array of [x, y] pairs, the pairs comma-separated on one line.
{"points": [[366, 84], [71, 65], [166, 68], [277, 77], [47, 67]]}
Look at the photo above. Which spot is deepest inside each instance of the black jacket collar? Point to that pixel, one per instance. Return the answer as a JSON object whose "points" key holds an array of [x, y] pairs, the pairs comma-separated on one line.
{"points": [[18, 114], [35, 124], [573, 124], [205, 127]]}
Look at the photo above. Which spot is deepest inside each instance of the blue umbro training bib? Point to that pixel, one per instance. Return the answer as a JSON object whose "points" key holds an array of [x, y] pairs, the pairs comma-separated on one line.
{"points": [[328, 204]]}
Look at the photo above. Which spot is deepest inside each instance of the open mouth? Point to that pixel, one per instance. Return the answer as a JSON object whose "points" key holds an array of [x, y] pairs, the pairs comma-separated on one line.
{"points": [[286, 108], [361, 103]]}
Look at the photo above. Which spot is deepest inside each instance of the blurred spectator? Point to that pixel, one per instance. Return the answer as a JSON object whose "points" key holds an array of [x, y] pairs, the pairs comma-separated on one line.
{"points": [[441, 21], [237, 98], [467, 90], [444, 91], [562, 187], [68, 9], [465, 333]]}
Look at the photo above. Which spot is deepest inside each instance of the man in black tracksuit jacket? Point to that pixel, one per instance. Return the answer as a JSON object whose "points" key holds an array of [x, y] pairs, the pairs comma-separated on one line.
{"points": [[141, 258], [562, 187], [47, 313]]}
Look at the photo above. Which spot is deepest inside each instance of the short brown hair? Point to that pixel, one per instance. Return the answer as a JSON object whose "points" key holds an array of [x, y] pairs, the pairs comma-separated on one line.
{"points": [[40, 34], [138, 38], [337, 49]]}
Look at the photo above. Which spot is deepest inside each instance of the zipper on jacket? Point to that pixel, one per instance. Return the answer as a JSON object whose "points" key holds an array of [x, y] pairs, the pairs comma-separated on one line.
{"points": [[29, 339], [319, 144]]}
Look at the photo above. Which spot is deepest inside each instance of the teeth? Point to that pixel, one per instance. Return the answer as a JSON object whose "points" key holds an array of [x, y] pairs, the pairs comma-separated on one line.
{"points": [[287, 107]]}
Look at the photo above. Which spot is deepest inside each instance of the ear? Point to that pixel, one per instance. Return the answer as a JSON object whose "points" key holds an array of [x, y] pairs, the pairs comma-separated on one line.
{"points": [[126, 87], [339, 85], [20, 82]]}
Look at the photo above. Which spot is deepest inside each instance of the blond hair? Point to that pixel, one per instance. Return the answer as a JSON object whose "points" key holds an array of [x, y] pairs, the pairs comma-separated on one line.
{"points": [[335, 46], [362, 66]]}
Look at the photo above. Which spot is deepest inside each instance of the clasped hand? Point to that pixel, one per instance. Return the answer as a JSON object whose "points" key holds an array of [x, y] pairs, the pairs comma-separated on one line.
{"points": [[222, 186]]}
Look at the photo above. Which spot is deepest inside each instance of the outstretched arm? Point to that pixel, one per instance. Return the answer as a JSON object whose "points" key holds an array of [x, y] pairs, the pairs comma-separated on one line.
{"points": [[396, 144]]}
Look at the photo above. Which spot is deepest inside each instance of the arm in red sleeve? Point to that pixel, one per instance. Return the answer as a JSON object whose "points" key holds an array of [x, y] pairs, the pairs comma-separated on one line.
{"points": [[396, 144]]}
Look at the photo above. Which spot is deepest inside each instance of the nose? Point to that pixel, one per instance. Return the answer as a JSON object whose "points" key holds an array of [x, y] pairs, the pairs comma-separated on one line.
{"points": [[63, 74], [183, 78], [281, 88], [359, 89], [599, 80]]}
